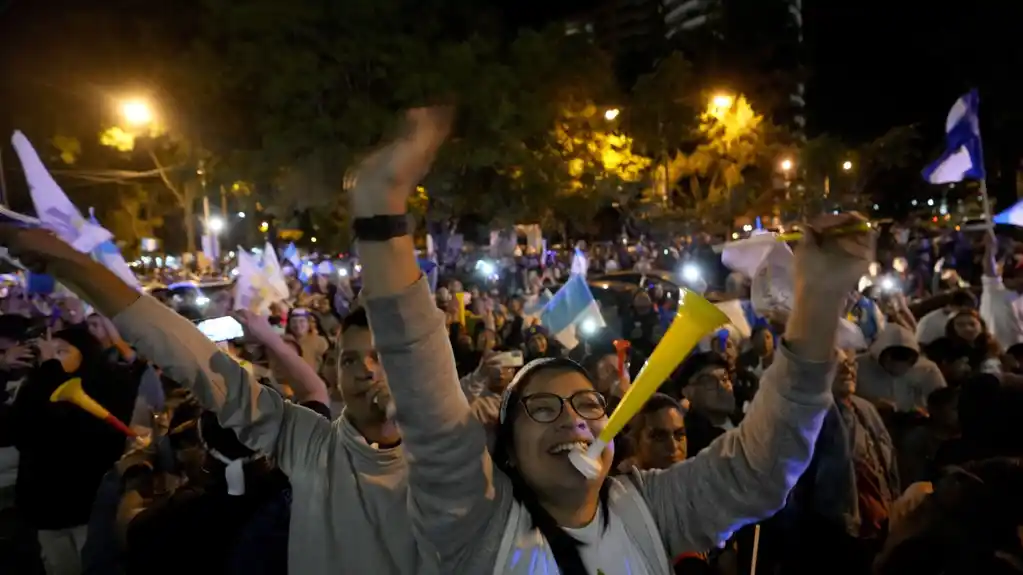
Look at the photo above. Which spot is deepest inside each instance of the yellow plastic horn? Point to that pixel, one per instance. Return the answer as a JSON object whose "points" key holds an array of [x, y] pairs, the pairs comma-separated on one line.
{"points": [[71, 391], [696, 318]]}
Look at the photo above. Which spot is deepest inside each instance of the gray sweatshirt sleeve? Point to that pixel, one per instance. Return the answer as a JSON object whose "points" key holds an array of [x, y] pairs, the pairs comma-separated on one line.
{"points": [[457, 497], [746, 474], [260, 417]]}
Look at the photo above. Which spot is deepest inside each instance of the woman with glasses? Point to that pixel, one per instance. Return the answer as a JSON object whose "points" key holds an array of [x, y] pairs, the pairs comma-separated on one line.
{"points": [[526, 509]]}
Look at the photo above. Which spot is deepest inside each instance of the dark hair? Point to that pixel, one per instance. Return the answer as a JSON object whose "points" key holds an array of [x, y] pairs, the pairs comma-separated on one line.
{"points": [[356, 318], [564, 547], [698, 362], [1015, 350], [944, 350], [963, 298], [942, 397], [14, 326], [657, 402]]}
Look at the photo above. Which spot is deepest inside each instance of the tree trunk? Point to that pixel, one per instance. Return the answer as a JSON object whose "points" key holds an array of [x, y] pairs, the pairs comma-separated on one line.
{"points": [[189, 217]]}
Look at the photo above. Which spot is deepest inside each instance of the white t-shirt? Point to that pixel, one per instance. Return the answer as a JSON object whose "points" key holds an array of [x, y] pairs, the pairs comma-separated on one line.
{"points": [[604, 551], [932, 326]]}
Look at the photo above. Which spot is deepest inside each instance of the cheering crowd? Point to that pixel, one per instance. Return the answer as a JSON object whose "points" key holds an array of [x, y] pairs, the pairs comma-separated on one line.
{"points": [[405, 434]]}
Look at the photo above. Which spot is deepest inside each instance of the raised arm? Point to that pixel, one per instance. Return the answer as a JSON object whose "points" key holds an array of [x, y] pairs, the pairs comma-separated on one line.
{"points": [[303, 378], [451, 477], [746, 474], [258, 415]]}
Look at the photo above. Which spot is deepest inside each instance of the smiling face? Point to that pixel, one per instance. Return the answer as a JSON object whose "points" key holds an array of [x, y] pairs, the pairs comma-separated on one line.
{"points": [[559, 411]]}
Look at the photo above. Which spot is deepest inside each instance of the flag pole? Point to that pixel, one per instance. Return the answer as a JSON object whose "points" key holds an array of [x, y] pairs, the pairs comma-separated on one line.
{"points": [[986, 203]]}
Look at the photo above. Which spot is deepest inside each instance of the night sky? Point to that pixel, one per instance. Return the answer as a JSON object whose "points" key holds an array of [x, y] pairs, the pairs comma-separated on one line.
{"points": [[873, 63]]}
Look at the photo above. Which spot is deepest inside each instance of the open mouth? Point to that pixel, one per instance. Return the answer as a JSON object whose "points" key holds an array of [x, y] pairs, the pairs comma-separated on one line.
{"points": [[562, 448]]}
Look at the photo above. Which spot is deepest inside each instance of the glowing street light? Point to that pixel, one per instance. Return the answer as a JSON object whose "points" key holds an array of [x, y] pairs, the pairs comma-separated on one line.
{"points": [[847, 165], [722, 101], [786, 165], [216, 225], [241, 215], [611, 114], [137, 112]]}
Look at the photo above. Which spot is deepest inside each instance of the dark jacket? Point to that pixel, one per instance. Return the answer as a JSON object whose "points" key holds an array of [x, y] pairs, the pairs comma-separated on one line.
{"points": [[65, 451], [200, 528]]}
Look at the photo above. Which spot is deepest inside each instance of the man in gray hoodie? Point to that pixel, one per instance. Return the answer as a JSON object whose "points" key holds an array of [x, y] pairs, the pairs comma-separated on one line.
{"points": [[348, 510]]}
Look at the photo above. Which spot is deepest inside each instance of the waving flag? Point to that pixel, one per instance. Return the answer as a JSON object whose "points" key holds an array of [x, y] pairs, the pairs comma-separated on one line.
{"points": [[107, 254], [291, 255], [1012, 216], [964, 155], [54, 209], [571, 306], [273, 273], [252, 291], [580, 263]]}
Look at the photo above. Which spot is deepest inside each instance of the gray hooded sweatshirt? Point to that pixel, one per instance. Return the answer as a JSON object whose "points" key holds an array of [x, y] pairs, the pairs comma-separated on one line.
{"points": [[462, 505], [348, 511], [908, 391]]}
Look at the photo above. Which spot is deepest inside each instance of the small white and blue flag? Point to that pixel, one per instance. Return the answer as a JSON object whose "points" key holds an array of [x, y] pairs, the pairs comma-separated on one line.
{"points": [[108, 254], [291, 255], [1012, 216], [573, 307], [964, 155]]}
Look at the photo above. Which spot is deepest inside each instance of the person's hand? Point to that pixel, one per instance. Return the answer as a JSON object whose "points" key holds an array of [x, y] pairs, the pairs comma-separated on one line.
{"points": [[489, 371], [47, 348], [40, 250], [832, 263], [16, 357], [256, 325], [382, 183], [113, 337], [990, 241]]}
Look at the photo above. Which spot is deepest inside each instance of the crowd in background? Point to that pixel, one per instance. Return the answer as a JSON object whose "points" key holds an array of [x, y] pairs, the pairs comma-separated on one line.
{"points": [[397, 432]]}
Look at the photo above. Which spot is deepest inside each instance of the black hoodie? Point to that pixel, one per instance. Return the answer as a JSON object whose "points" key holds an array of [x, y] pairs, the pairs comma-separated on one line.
{"points": [[65, 451]]}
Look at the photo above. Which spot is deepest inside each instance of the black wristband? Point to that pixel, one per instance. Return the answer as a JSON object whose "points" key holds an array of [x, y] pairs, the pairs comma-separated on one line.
{"points": [[381, 228]]}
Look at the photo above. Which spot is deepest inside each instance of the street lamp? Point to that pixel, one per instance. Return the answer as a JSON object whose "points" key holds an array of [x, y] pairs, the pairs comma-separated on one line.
{"points": [[786, 165], [847, 165], [722, 101], [137, 112], [216, 225], [611, 114]]}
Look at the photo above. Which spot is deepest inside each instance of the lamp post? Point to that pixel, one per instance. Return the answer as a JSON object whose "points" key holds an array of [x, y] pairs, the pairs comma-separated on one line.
{"points": [[137, 112]]}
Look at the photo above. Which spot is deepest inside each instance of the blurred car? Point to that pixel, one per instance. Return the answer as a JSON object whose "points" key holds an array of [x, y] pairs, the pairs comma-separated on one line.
{"points": [[670, 283], [191, 298]]}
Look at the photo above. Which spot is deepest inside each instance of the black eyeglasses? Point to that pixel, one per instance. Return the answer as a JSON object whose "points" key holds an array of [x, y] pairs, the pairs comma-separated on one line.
{"points": [[547, 407], [666, 435]]}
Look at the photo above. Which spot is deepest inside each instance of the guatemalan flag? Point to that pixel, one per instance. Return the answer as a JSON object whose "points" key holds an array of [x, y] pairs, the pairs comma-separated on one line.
{"points": [[54, 209], [291, 255], [964, 155], [1012, 216], [572, 306]]}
